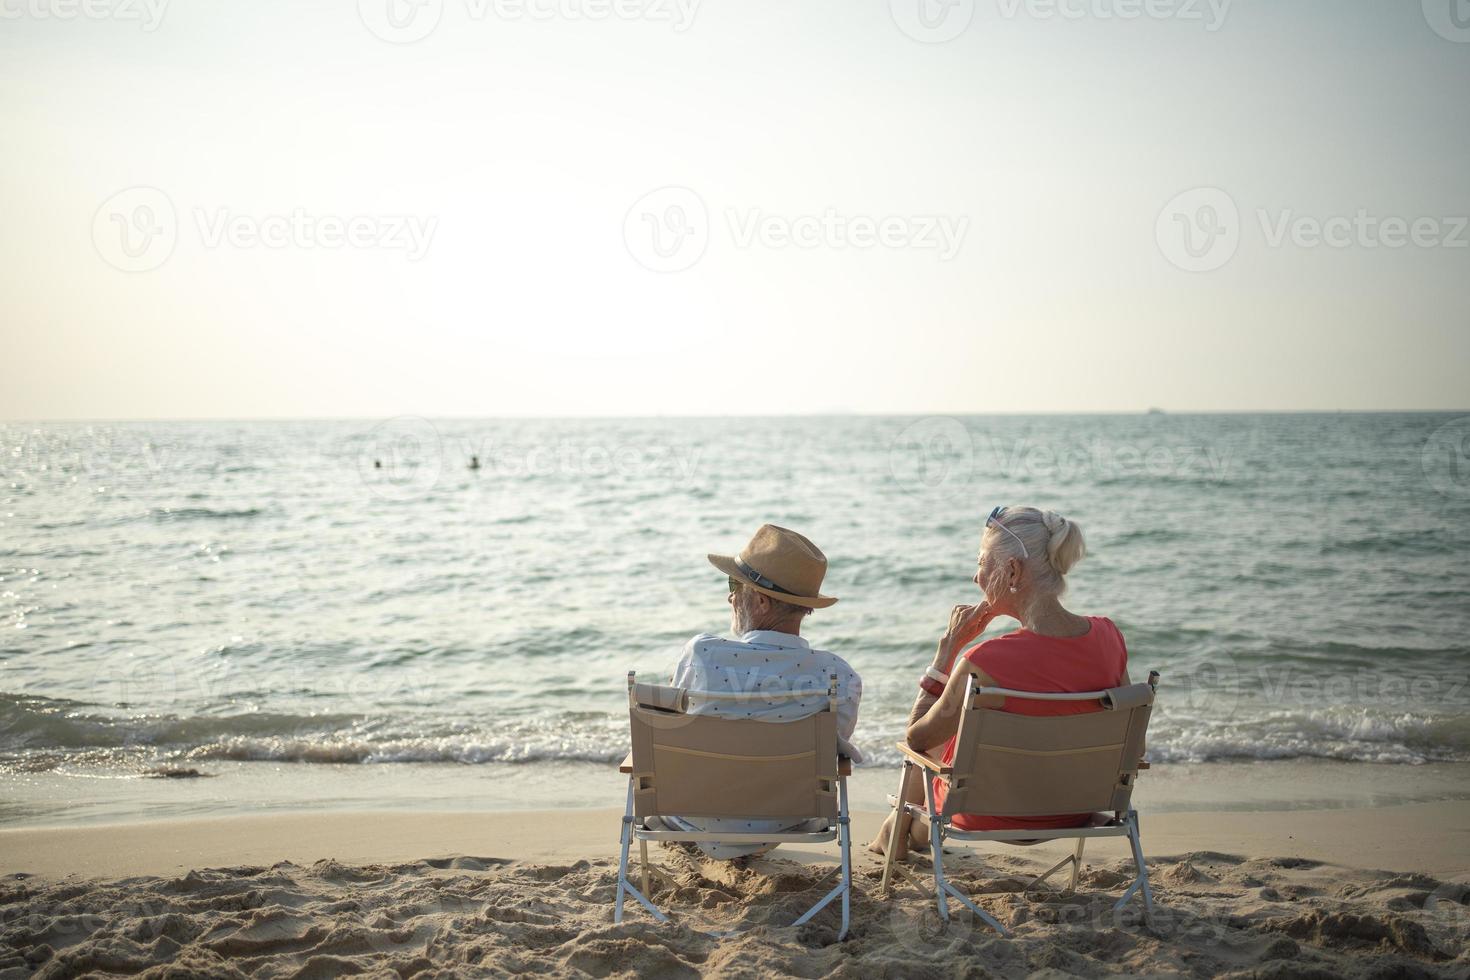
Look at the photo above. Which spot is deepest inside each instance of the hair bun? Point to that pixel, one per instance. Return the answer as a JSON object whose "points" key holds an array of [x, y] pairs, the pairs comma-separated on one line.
{"points": [[1065, 546]]}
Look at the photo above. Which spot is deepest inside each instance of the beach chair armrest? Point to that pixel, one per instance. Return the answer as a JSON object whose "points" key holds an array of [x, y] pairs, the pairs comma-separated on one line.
{"points": [[626, 766], [919, 758]]}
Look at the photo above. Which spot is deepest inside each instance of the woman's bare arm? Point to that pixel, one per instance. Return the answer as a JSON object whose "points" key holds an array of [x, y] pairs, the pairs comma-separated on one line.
{"points": [[965, 624], [943, 661], [942, 719]]}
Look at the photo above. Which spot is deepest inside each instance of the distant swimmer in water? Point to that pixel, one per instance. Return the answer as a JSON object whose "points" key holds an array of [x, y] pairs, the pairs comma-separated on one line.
{"points": [[474, 462], [377, 464]]}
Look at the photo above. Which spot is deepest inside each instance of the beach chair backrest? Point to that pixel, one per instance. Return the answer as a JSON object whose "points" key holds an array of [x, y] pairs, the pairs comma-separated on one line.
{"points": [[1017, 765], [707, 766]]}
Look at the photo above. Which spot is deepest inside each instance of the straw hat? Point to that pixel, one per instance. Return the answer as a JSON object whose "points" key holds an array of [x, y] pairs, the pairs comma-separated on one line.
{"points": [[781, 564]]}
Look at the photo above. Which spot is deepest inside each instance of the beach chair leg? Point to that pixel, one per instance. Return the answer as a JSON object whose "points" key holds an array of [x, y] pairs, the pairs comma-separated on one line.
{"points": [[1077, 863], [844, 838], [936, 846], [822, 903], [1148, 894], [900, 827], [942, 887], [843, 888], [623, 841], [643, 858], [1047, 873], [625, 887], [1140, 882]]}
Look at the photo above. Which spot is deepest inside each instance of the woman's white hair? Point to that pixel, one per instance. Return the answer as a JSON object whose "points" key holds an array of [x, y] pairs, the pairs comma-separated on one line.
{"points": [[1053, 545]]}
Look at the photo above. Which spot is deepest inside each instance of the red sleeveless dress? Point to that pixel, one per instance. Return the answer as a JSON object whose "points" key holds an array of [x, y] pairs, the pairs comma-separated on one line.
{"points": [[1026, 661]]}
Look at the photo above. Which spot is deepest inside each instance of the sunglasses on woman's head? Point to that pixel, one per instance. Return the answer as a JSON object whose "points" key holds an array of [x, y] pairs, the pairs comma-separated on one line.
{"points": [[994, 521], [735, 585]]}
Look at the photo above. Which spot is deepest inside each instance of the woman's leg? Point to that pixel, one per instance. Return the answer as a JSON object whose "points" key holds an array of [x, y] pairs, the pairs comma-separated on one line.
{"points": [[917, 833], [887, 839]]}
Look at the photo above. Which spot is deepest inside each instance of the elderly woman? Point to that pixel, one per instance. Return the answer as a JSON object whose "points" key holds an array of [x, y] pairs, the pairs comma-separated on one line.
{"points": [[1025, 555]]}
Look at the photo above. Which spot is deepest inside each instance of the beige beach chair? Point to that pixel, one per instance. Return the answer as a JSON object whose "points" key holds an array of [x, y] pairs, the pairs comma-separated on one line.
{"points": [[706, 766], [1023, 765]]}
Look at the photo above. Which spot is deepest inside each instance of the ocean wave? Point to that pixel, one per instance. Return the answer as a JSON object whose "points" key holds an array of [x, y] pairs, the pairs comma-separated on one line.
{"points": [[1186, 481], [33, 739], [1148, 535], [38, 722], [203, 513], [156, 514], [1360, 661], [459, 750], [1341, 732], [1401, 542], [59, 525], [39, 733]]}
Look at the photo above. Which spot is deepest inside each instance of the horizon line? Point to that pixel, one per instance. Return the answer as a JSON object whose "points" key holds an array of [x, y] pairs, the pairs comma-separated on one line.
{"points": [[833, 414]]}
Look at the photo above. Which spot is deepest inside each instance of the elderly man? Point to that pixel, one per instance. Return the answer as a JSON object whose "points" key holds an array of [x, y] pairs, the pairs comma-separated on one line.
{"points": [[775, 583]]}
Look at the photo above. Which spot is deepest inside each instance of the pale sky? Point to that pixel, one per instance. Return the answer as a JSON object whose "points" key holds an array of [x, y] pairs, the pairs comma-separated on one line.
{"points": [[986, 195]]}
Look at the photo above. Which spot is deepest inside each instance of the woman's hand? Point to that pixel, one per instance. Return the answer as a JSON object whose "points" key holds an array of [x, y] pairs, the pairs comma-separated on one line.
{"points": [[965, 624]]}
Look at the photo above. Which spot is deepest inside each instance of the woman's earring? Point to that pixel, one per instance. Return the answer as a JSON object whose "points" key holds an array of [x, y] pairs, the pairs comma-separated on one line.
{"points": [[1013, 588]]}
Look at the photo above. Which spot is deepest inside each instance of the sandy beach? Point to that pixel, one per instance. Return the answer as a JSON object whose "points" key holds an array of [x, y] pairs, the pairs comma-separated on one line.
{"points": [[411, 408], [1370, 892]]}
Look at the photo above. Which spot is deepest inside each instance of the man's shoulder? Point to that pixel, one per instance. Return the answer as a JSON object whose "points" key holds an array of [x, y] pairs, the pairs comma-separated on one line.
{"points": [[832, 661], [706, 644]]}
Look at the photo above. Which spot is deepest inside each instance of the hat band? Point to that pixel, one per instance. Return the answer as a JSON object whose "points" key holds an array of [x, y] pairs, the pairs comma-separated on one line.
{"points": [[758, 578]]}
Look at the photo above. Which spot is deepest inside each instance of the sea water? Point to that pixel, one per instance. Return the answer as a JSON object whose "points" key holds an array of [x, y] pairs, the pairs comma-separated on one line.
{"points": [[215, 616]]}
